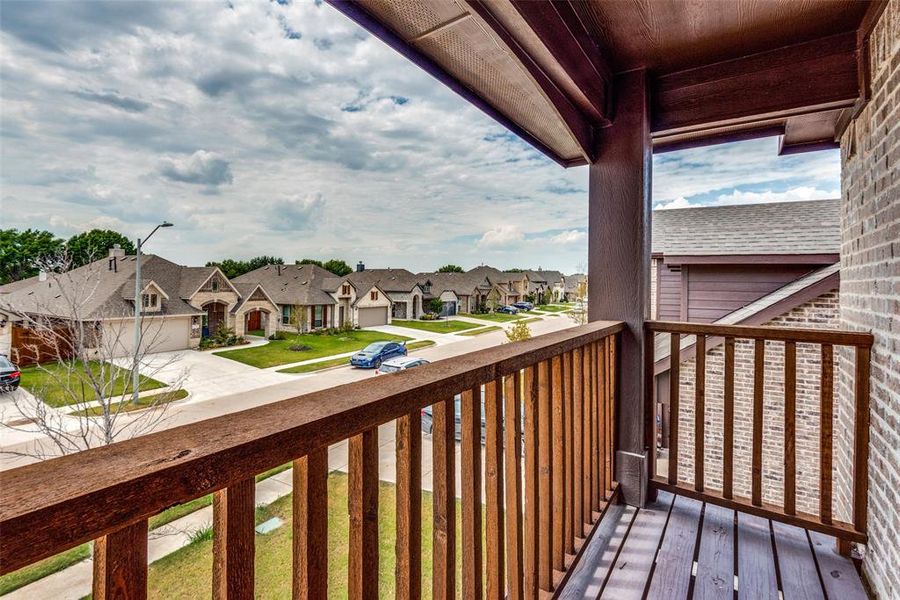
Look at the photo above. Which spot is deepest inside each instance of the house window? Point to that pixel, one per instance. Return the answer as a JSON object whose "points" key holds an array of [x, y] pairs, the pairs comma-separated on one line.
{"points": [[286, 314], [345, 289], [149, 300], [318, 316], [373, 295], [215, 285]]}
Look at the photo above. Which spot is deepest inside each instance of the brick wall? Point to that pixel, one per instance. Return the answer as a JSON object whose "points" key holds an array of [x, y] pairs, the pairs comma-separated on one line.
{"points": [[870, 292], [820, 313]]}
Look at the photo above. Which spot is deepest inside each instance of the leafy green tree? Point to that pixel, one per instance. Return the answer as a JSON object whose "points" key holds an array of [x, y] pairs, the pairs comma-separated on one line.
{"points": [[338, 267], [235, 268], [21, 250], [518, 332], [450, 269], [261, 261], [95, 244], [515, 270], [310, 261], [436, 305]]}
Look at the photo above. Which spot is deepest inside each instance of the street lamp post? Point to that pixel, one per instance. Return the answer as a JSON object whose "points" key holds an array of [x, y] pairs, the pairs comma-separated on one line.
{"points": [[138, 305]]}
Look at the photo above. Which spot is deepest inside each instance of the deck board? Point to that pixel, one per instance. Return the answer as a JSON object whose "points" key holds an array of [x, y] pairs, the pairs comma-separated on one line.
{"points": [[796, 564], [715, 561], [757, 579], [675, 561], [631, 571], [839, 576]]}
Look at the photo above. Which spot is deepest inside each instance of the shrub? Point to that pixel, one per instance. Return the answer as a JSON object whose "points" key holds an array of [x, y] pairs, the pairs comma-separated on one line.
{"points": [[299, 348], [201, 534], [278, 335], [436, 305], [429, 317], [518, 332]]}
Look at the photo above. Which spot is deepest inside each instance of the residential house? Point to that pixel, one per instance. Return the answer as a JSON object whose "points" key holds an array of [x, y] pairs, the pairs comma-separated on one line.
{"points": [[541, 281], [299, 291], [375, 296], [179, 304], [573, 287]]}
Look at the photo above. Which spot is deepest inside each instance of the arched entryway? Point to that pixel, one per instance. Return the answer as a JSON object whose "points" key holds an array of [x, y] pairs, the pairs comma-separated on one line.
{"points": [[256, 321], [213, 317]]}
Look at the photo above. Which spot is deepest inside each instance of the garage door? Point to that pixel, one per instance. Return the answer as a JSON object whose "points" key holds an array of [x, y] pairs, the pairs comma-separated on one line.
{"points": [[373, 316], [162, 335]]}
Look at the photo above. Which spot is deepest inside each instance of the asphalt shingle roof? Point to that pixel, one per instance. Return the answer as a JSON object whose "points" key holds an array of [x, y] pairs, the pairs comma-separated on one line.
{"points": [[811, 227], [291, 284]]}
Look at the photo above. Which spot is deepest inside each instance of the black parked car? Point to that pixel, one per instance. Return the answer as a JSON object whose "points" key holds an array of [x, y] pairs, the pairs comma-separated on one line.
{"points": [[9, 375], [526, 306], [510, 310]]}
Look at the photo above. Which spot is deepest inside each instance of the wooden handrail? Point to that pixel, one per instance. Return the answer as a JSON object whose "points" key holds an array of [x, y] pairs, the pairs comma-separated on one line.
{"points": [[48, 507], [788, 338]]}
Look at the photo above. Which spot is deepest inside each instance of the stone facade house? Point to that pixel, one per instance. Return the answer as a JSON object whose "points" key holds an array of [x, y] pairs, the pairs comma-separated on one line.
{"points": [[299, 293]]}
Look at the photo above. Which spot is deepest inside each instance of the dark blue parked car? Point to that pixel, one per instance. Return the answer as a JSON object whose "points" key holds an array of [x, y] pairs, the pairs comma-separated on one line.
{"points": [[526, 306], [376, 353], [510, 310]]}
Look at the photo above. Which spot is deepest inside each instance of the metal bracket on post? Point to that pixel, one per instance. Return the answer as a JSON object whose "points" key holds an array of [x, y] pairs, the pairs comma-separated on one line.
{"points": [[631, 473]]}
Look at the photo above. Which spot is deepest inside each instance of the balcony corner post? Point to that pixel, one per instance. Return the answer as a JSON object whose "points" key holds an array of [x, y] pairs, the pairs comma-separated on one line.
{"points": [[619, 210]]}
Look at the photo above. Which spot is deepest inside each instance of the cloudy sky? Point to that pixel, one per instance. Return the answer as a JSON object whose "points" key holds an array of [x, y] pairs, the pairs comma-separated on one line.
{"points": [[283, 128]]}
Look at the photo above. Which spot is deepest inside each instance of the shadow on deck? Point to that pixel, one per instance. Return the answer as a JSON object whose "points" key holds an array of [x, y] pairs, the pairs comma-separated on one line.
{"points": [[678, 547]]}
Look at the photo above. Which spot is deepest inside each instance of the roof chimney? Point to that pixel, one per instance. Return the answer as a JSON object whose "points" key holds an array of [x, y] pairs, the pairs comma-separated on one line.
{"points": [[42, 275], [115, 253], [279, 269], [360, 267]]}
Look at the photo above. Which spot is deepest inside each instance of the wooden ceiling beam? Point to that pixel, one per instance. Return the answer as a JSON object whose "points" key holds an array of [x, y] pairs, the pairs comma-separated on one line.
{"points": [[564, 35], [581, 128], [794, 80]]}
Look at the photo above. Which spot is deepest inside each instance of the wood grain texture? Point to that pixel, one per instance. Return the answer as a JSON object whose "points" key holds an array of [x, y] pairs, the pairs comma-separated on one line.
{"points": [[493, 488], [569, 520], [715, 560], [861, 439], [589, 436], [796, 563], [675, 561], [310, 526], [840, 578], [578, 446], [826, 428], [728, 421], [530, 534], [234, 512], [408, 566], [612, 402], [470, 425], [545, 491], [757, 579], [512, 401], [145, 475], [443, 575], [674, 404], [790, 427], [699, 412], [362, 500], [558, 470], [778, 334], [120, 564], [759, 374]]}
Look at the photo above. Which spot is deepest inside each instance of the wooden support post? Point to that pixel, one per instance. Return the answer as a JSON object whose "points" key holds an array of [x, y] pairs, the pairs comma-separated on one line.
{"points": [[443, 574], [234, 512], [362, 564], [619, 263], [310, 526], [408, 570], [120, 564]]}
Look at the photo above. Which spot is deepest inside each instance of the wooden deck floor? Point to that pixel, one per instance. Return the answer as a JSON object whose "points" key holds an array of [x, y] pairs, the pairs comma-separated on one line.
{"points": [[683, 548]]}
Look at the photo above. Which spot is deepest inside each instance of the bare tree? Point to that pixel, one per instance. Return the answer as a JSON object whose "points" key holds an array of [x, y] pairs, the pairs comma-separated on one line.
{"points": [[579, 312], [80, 397]]}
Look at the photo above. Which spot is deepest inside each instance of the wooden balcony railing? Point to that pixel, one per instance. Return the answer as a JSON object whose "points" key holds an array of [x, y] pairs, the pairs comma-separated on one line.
{"points": [[541, 501], [773, 389]]}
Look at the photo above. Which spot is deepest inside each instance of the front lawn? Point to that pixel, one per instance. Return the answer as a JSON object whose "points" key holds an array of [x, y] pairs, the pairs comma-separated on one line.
{"points": [[343, 361], [187, 573], [442, 326], [63, 384], [487, 329], [495, 317], [278, 352], [142, 403], [553, 308]]}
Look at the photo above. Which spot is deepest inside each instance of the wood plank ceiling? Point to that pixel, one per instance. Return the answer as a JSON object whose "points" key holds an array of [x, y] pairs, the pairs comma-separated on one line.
{"points": [[718, 70]]}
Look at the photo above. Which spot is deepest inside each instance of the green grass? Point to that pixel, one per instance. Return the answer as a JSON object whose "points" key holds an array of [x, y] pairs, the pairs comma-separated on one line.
{"points": [[59, 385], [482, 330], [442, 326], [419, 344], [278, 352], [339, 362], [257, 332], [532, 319], [553, 308], [187, 573], [143, 402], [495, 317]]}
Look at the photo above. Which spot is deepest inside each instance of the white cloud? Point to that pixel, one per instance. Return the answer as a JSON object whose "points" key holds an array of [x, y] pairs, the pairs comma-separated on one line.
{"points": [[297, 213], [573, 236], [790, 195], [201, 167], [676, 203], [502, 236]]}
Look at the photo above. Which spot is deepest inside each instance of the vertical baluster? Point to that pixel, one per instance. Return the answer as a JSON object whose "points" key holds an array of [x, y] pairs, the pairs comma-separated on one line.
{"points": [[699, 412], [234, 511], [470, 407], [569, 490], [610, 412], [120, 563], [759, 369], [408, 570], [599, 433], [651, 429], [513, 445], [545, 530], [861, 439], [444, 498], [310, 526], [531, 534], [362, 566], [588, 433], [674, 390], [728, 421], [826, 427], [578, 437], [790, 415], [493, 486], [558, 463]]}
